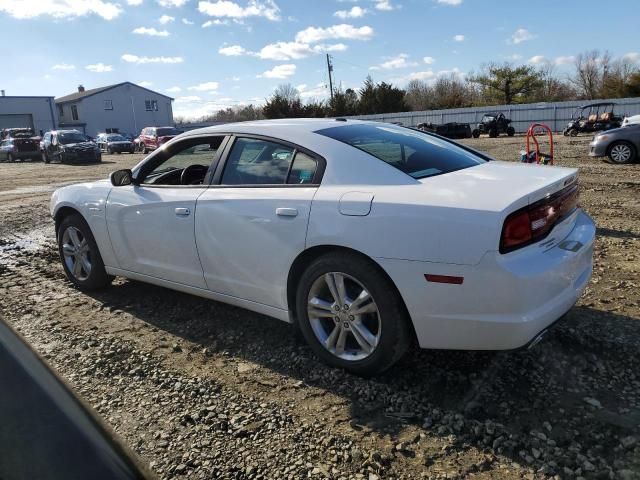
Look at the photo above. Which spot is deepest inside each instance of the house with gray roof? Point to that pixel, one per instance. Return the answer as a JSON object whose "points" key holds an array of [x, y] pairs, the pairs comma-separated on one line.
{"points": [[124, 107]]}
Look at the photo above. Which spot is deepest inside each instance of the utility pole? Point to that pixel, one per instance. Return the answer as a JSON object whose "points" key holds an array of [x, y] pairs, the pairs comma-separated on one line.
{"points": [[330, 70]]}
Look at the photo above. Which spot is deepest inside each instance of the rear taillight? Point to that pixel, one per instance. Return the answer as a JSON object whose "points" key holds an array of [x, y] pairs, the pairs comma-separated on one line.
{"points": [[534, 222]]}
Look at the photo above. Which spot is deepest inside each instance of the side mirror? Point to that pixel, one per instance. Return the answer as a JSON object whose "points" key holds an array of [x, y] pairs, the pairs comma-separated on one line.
{"points": [[120, 178]]}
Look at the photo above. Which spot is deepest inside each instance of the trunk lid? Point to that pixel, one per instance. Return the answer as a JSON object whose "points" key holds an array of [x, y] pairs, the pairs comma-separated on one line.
{"points": [[498, 186]]}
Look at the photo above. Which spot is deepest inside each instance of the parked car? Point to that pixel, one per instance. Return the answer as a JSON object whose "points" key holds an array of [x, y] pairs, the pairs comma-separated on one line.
{"points": [[593, 117], [620, 145], [154, 137], [366, 235], [494, 124], [19, 143], [452, 130], [69, 146], [114, 143], [630, 120]]}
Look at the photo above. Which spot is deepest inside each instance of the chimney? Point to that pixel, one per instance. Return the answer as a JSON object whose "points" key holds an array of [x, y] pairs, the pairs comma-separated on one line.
{"points": [[1, 93], [81, 88]]}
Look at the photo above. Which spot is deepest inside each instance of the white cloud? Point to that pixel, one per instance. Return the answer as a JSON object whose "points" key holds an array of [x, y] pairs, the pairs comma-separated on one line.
{"points": [[538, 60], [384, 5], [425, 75], [145, 84], [429, 60], [521, 35], [164, 19], [173, 89], [564, 60], [295, 50], [99, 68], [255, 8], [632, 57], [186, 21], [134, 2], [129, 58], [188, 99], [217, 21], [152, 32], [171, 3], [280, 71], [453, 3], [60, 8], [320, 90], [342, 31], [355, 12], [63, 66], [205, 87], [393, 63], [458, 38], [232, 51]]}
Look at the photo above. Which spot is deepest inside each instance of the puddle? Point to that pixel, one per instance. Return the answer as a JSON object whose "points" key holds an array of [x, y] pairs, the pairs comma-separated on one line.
{"points": [[32, 241]]}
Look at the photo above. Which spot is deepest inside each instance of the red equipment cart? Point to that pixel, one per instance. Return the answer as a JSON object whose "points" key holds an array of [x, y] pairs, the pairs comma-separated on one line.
{"points": [[536, 156]]}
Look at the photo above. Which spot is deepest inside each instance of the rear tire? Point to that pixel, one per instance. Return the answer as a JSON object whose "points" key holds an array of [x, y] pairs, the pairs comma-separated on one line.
{"points": [[79, 254], [369, 314], [511, 131], [621, 153], [573, 132], [475, 133]]}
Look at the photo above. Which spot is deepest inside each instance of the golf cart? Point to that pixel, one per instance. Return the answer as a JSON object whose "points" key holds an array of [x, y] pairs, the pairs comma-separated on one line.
{"points": [[494, 124], [594, 117]]}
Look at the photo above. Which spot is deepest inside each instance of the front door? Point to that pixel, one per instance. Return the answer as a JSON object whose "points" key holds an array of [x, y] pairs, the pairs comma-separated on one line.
{"points": [[252, 225], [151, 225]]}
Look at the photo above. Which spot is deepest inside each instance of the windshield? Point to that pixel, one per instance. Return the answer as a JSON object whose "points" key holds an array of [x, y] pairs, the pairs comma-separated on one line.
{"points": [[116, 138], [166, 132], [488, 118], [415, 153], [71, 137]]}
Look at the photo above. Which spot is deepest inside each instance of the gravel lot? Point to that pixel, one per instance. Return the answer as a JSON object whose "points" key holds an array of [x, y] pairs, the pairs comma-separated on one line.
{"points": [[200, 389]]}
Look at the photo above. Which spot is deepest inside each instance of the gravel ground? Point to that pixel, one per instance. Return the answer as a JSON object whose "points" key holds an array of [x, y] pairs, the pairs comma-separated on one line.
{"points": [[200, 389]]}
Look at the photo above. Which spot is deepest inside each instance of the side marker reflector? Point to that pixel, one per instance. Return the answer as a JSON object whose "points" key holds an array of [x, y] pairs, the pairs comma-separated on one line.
{"points": [[443, 279]]}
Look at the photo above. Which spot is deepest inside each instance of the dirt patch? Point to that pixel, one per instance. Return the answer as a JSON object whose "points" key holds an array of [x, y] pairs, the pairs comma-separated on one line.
{"points": [[206, 390]]}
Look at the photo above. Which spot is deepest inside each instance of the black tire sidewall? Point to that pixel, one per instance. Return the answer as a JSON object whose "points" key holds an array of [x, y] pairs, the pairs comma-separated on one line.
{"points": [[394, 339], [98, 277]]}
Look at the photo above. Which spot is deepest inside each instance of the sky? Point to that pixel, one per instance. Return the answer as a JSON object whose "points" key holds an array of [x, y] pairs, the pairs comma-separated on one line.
{"points": [[213, 54]]}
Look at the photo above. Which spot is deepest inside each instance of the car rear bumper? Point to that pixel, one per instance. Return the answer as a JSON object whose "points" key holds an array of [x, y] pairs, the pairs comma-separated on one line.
{"points": [[598, 149], [505, 301], [26, 154]]}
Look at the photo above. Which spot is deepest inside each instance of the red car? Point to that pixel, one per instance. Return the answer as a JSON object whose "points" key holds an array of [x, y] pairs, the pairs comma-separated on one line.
{"points": [[153, 137], [19, 143]]}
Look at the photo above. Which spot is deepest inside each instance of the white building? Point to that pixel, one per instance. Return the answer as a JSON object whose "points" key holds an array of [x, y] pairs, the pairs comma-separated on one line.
{"points": [[37, 113], [124, 107]]}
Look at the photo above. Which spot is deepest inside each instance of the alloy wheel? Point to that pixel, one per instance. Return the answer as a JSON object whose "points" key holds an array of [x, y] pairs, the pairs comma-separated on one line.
{"points": [[344, 316], [77, 256], [621, 153]]}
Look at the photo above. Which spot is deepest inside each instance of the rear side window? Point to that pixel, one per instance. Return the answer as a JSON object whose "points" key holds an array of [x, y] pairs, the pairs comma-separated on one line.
{"points": [[262, 162], [415, 153]]}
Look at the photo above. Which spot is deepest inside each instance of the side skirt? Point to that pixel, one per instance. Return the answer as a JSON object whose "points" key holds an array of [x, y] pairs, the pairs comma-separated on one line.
{"points": [[200, 292]]}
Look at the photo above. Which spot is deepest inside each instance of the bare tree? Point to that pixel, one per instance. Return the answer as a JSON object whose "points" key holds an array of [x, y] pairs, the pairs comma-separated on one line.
{"points": [[592, 69], [419, 95]]}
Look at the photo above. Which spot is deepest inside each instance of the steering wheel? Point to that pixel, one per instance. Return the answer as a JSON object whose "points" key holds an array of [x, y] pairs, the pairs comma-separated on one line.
{"points": [[193, 174]]}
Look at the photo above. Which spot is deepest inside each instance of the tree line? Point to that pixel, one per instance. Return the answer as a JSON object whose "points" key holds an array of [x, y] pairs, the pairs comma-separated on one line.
{"points": [[594, 75]]}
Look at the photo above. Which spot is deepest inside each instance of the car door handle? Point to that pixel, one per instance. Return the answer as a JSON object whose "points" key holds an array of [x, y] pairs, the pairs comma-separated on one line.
{"points": [[183, 212], [287, 212]]}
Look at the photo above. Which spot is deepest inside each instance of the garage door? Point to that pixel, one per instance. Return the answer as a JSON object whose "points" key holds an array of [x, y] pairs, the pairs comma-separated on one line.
{"points": [[24, 120]]}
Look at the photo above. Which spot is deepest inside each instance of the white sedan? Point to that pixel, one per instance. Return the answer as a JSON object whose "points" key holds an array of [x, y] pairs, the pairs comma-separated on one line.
{"points": [[367, 236]]}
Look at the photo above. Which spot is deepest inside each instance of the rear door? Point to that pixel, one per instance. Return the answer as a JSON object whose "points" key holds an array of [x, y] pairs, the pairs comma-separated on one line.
{"points": [[252, 223]]}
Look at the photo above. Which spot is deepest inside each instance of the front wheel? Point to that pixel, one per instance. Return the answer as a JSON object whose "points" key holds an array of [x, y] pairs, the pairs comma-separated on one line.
{"points": [[511, 131], [351, 314], [622, 153], [475, 133], [572, 132], [79, 254]]}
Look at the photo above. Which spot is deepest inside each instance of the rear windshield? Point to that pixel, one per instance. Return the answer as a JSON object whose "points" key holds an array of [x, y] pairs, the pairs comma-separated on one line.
{"points": [[21, 133], [416, 153], [165, 132]]}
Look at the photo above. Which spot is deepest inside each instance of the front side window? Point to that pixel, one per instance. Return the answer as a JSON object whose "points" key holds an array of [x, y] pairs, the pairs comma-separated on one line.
{"points": [[168, 167], [415, 153]]}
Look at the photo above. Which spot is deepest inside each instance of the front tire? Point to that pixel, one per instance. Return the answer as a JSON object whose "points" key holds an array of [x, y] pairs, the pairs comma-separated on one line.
{"points": [[511, 131], [351, 314], [79, 254], [475, 133], [621, 153]]}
